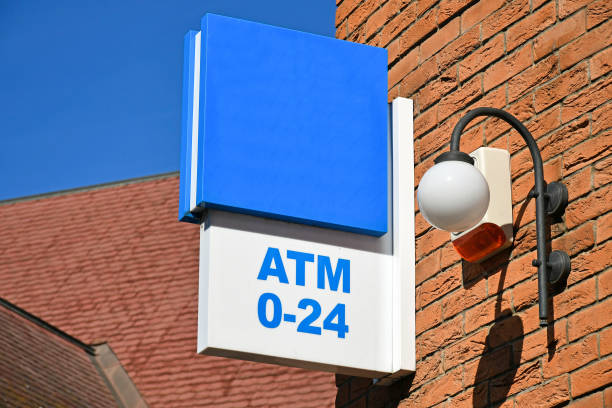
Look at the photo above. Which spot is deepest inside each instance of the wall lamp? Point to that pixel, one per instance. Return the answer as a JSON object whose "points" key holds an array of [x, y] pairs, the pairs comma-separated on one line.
{"points": [[454, 196]]}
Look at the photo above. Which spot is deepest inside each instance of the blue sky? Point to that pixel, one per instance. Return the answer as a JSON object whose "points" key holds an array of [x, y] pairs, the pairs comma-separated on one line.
{"points": [[90, 91]]}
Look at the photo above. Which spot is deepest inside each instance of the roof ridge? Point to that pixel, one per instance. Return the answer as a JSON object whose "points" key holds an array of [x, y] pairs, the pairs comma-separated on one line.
{"points": [[89, 188], [47, 326]]}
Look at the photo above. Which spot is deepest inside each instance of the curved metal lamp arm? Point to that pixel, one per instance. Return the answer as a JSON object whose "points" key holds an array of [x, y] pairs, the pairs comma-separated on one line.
{"points": [[543, 199]]}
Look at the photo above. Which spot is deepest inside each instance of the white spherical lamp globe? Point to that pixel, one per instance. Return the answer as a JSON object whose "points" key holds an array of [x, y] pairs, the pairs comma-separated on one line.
{"points": [[453, 196]]}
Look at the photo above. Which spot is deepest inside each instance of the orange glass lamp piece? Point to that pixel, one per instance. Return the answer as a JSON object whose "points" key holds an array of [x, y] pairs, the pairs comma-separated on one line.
{"points": [[481, 242]]}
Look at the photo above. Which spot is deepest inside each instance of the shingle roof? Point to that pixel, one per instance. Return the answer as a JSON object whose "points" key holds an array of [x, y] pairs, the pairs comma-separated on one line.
{"points": [[113, 264], [39, 368]]}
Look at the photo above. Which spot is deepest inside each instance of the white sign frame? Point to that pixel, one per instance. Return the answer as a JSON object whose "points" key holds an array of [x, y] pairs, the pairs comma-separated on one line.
{"points": [[380, 308]]}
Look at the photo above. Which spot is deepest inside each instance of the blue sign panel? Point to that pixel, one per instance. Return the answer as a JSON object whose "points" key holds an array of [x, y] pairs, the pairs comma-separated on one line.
{"points": [[290, 125]]}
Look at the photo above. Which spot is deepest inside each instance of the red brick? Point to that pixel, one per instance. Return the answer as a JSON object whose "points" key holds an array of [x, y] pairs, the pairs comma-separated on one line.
{"points": [[457, 49], [478, 12], [505, 331], [578, 184], [464, 298], [428, 317], [423, 26], [608, 397], [585, 100], [420, 224], [604, 284], [590, 319], [559, 35], [499, 143], [525, 294], [587, 264], [465, 349], [531, 319], [448, 8], [393, 51], [526, 376], [495, 99], [605, 341], [588, 152], [567, 7], [424, 122], [574, 298], [601, 63], [592, 377], [436, 391], [449, 256], [358, 387], [392, 94], [591, 42], [424, 5], [571, 357], [377, 20], [544, 123], [602, 118], [440, 285], [419, 170], [604, 228], [591, 401], [576, 240], [598, 12], [430, 241], [524, 239], [427, 267], [588, 208], [394, 27], [472, 139], [483, 56], [436, 89], [518, 270], [428, 369], [548, 395], [486, 312], [447, 333], [567, 83], [541, 342], [342, 31], [402, 68], [530, 26], [535, 4], [419, 77], [343, 10], [439, 39], [523, 109], [358, 35], [359, 15], [603, 172], [511, 12], [460, 98], [522, 185], [473, 397], [532, 77], [433, 141], [508, 67], [489, 365], [561, 141]]}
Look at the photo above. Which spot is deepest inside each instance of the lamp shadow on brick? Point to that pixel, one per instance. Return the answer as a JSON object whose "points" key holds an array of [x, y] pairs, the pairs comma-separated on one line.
{"points": [[500, 360], [498, 367]]}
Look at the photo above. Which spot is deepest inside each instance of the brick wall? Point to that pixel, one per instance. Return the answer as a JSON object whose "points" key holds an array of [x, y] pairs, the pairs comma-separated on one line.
{"points": [[548, 63]]}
